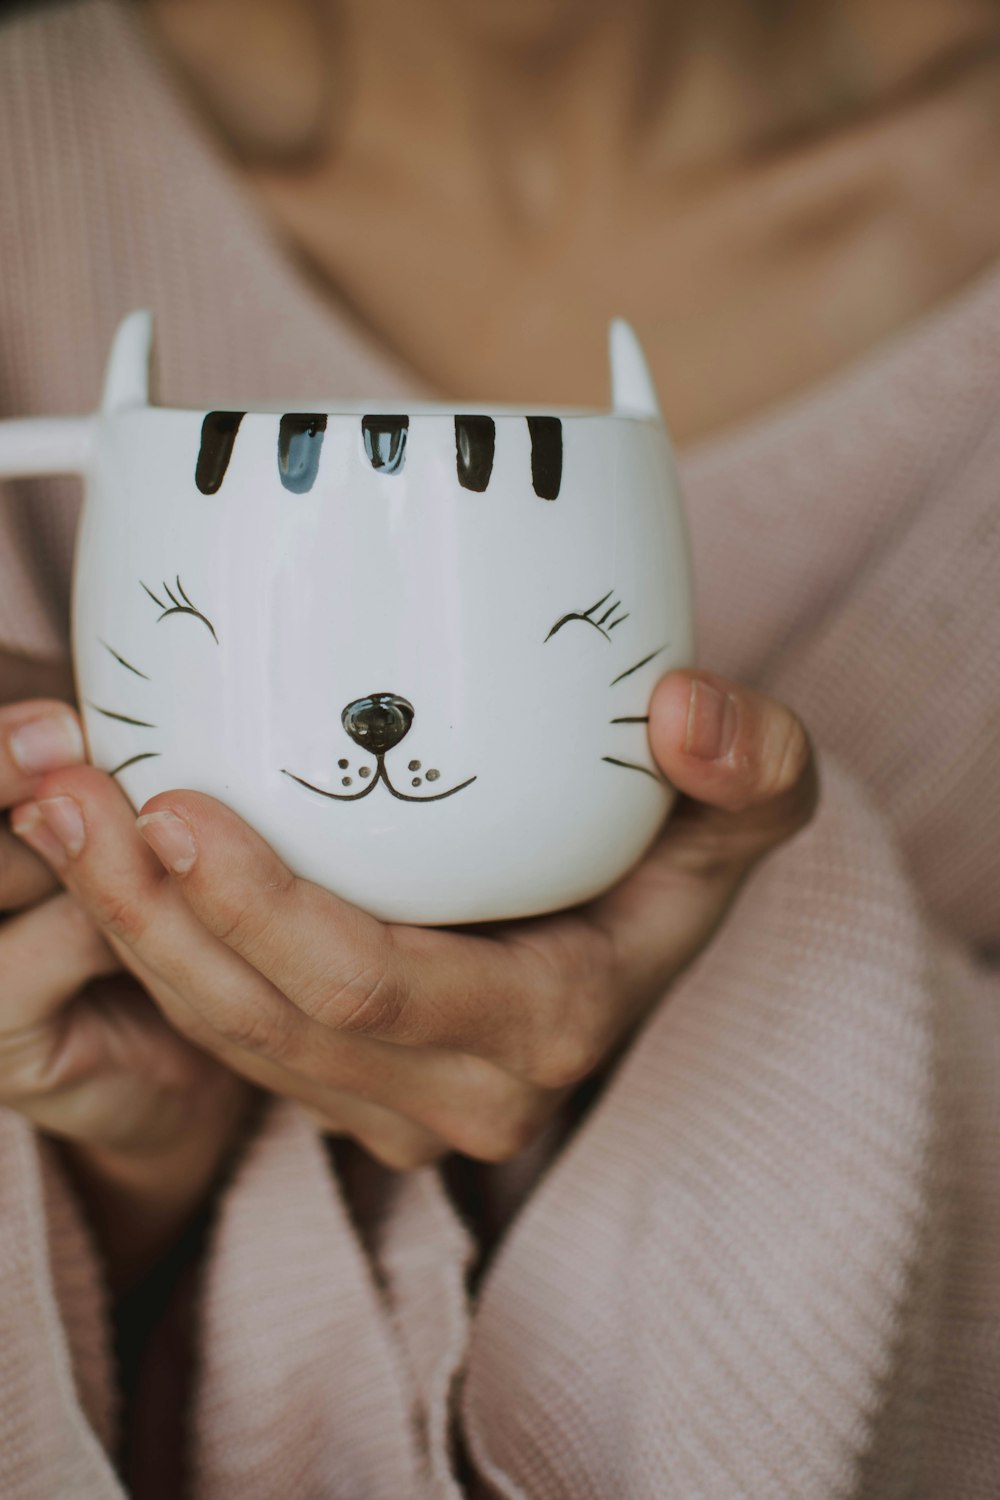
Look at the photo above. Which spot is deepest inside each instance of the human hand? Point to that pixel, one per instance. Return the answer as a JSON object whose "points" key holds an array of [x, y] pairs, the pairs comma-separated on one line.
{"points": [[85, 1056], [420, 1040]]}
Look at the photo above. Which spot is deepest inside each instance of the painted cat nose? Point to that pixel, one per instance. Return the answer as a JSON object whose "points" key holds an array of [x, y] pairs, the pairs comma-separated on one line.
{"points": [[379, 722]]}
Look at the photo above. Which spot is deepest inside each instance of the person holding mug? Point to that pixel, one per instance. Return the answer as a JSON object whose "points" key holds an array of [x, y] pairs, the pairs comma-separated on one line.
{"points": [[688, 1190]]}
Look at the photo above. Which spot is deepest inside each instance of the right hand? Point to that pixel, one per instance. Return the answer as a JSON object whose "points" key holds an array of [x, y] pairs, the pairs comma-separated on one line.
{"points": [[84, 1053]]}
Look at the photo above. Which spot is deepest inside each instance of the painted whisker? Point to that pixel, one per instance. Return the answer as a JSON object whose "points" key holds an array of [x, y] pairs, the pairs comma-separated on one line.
{"points": [[122, 718], [121, 660], [630, 765], [146, 755], [638, 719], [629, 670]]}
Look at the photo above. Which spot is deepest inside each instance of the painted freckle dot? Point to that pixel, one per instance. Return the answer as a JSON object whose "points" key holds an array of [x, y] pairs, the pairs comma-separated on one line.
{"points": [[343, 764], [364, 772], [345, 781], [433, 775], [415, 781], [414, 765]]}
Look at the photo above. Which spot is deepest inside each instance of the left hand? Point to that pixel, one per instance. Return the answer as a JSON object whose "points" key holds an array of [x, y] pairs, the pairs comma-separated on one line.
{"points": [[417, 1041]]}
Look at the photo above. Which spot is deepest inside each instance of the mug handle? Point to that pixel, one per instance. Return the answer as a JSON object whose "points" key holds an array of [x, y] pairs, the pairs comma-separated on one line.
{"points": [[45, 445], [63, 445]]}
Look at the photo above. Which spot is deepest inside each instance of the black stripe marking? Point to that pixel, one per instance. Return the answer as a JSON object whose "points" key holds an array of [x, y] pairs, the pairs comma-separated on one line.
{"points": [[300, 439], [218, 434], [475, 446], [546, 455], [385, 442]]}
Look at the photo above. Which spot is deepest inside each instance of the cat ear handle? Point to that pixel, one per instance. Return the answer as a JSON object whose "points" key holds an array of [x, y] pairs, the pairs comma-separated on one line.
{"points": [[632, 391], [126, 376], [64, 445]]}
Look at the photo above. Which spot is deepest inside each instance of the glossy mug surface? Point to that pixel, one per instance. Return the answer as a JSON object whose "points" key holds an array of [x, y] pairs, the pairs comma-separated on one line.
{"points": [[412, 645]]}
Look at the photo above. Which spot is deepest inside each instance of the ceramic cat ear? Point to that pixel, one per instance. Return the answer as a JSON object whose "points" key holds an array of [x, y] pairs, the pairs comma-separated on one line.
{"points": [[632, 391], [126, 376]]}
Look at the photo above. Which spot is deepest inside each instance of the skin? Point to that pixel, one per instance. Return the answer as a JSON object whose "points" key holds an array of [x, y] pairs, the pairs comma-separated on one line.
{"points": [[719, 198], [414, 1041], [765, 202]]}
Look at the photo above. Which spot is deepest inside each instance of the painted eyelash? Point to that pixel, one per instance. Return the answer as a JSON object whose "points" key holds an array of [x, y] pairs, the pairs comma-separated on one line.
{"points": [[175, 606], [585, 616]]}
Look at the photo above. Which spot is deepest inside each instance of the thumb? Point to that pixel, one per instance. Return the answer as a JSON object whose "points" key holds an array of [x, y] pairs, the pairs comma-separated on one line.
{"points": [[735, 751]]}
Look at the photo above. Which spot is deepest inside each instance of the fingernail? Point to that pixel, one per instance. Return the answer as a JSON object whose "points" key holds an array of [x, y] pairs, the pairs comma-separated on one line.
{"points": [[712, 722], [46, 744], [64, 820], [170, 839], [26, 822]]}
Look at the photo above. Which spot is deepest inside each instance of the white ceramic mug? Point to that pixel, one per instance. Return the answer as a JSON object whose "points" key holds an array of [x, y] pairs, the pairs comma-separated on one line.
{"points": [[413, 645]]}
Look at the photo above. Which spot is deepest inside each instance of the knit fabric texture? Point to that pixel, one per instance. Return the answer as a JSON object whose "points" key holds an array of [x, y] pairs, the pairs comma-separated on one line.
{"points": [[767, 1261]]}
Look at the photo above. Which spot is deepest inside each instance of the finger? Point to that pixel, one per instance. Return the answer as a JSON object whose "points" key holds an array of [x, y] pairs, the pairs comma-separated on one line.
{"points": [[24, 878], [746, 767], [342, 967], [47, 955], [35, 738], [470, 1118], [392, 1137], [407, 1108], [737, 753], [225, 1006]]}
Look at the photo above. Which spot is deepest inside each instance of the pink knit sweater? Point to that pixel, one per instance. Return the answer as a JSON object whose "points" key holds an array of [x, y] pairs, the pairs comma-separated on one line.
{"points": [[767, 1263]]}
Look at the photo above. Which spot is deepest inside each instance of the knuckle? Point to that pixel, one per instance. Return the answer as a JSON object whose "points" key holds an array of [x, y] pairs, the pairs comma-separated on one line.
{"points": [[245, 922], [366, 998], [568, 1056], [709, 855], [252, 1028], [500, 1136], [120, 914], [31, 1065], [575, 1037], [405, 1150]]}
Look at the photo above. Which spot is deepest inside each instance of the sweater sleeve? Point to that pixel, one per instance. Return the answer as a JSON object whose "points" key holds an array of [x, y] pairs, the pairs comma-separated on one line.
{"points": [[58, 1416], [766, 1264]]}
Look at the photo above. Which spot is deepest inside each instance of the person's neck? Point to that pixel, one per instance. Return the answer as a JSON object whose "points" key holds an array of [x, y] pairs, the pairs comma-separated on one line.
{"points": [[541, 95], [541, 102]]}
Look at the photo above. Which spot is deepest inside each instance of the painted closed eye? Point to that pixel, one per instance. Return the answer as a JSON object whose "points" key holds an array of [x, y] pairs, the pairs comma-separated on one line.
{"points": [[604, 623], [179, 606]]}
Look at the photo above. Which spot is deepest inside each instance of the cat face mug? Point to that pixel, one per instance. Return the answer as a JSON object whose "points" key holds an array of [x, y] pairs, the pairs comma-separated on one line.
{"points": [[412, 645]]}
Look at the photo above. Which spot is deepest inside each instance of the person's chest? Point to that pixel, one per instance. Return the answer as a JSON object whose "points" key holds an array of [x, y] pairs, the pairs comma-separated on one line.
{"points": [[745, 293]]}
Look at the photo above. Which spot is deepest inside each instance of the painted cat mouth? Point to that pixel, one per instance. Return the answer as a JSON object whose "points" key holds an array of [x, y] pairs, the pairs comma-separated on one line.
{"points": [[381, 775]]}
